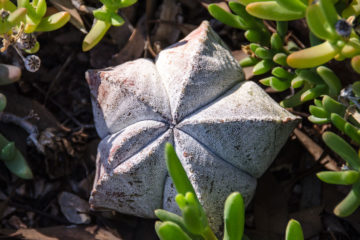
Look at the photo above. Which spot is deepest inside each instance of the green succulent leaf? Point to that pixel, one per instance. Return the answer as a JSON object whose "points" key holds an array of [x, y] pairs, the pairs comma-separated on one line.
{"points": [[356, 88], [234, 217], [352, 132], [295, 100], [170, 231], [7, 5], [248, 61], [343, 149], [297, 82], [355, 63], [280, 58], [246, 2], [317, 23], [96, 33], [279, 84], [318, 120], [313, 56], [338, 121], [330, 79], [282, 73], [16, 17], [333, 106], [294, 231], [318, 112], [329, 11], [116, 20], [14, 160], [252, 22], [271, 10], [314, 92], [350, 203], [177, 172], [41, 8], [254, 36], [164, 216], [342, 177], [294, 5], [226, 17], [263, 67], [53, 22]]}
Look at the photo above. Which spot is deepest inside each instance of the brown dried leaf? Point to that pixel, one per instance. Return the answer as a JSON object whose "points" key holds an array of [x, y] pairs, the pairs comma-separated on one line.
{"points": [[66, 5], [134, 47], [61, 232]]}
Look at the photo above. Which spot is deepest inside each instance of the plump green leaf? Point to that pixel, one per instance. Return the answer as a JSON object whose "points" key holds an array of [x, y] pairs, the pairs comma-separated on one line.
{"points": [[53, 22], [343, 149], [313, 56], [234, 217], [294, 231], [226, 17], [164, 216], [280, 58], [333, 106], [318, 112], [271, 10], [263, 67], [350, 203], [96, 33], [341, 178], [14, 160], [330, 79], [170, 231], [314, 92], [248, 61], [294, 5]]}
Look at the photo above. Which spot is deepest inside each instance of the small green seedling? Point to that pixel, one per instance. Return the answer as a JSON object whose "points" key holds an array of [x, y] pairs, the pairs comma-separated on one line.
{"points": [[194, 224], [106, 17], [347, 177], [36, 19], [294, 231]]}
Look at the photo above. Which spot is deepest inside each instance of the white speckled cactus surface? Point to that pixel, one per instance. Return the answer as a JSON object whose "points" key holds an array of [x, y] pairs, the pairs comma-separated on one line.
{"points": [[226, 131]]}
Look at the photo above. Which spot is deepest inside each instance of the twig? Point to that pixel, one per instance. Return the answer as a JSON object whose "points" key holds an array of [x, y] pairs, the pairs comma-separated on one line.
{"points": [[79, 124], [27, 208], [57, 77], [27, 126], [79, 5]]}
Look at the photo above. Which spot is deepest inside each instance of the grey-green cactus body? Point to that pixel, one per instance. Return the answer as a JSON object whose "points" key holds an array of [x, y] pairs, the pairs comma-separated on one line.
{"points": [[226, 132]]}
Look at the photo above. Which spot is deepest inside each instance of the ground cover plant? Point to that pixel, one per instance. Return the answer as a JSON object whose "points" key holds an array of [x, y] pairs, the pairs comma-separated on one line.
{"points": [[48, 112], [333, 35]]}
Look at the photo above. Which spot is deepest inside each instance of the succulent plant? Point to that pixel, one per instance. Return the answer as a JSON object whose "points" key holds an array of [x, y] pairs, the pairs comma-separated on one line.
{"points": [[334, 34], [106, 17], [346, 177], [225, 131]]}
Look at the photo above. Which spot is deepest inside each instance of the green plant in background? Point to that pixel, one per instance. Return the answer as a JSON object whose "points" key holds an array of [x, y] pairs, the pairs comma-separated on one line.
{"points": [[346, 177], [18, 24], [194, 224], [106, 17], [271, 54], [10, 155], [334, 34]]}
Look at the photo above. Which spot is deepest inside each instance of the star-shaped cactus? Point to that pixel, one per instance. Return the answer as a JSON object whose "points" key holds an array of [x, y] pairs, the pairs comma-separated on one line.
{"points": [[225, 131]]}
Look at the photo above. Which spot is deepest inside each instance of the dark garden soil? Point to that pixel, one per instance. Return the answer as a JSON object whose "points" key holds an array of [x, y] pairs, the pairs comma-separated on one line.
{"points": [[56, 101]]}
